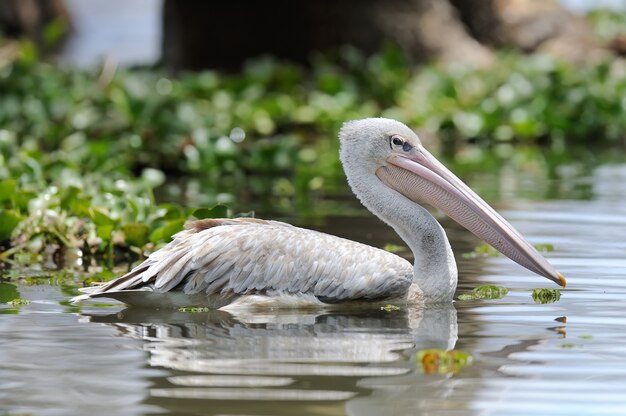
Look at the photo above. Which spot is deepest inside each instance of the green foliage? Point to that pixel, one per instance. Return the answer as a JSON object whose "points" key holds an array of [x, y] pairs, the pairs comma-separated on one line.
{"points": [[18, 302], [485, 250], [389, 308], [482, 250], [8, 292], [543, 296], [488, 292], [83, 153]]}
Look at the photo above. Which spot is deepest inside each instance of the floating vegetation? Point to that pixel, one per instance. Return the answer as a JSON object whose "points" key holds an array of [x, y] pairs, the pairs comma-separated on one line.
{"points": [[18, 302], [482, 250], [193, 309], [543, 296], [544, 247], [396, 249], [82, 160], [389, 308], [436, 361], [8, 292], [485, 250], [488, 292]]}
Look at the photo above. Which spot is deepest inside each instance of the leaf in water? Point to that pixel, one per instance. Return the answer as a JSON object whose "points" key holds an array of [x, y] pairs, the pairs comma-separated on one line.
{"points": [[8, 292], [218, 211], [543, 296], [544, 247], [8, 221], [18, 302], [389, 308], [483, 250], [193, 309], [436, 361], [136, 234], [393, 248], [487, 292]]}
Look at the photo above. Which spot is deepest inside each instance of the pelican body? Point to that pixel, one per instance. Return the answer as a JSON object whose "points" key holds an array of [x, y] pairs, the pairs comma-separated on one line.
{"points": [[250, 263]]}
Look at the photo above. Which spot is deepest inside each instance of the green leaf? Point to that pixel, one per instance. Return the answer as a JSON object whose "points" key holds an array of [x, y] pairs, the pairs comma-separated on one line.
{"points": [[7, 187], [545, 247], [543, 296], [483, 250], [193, 309], [8, 292], [18, 302], [165, 232], [218, 211], [8, 221], [488, 292], [136, 234], [104, 232], [100, 217]]}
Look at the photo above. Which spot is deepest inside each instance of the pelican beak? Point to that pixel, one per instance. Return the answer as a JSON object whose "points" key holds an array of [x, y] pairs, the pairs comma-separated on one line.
{"points": [[420, 177]]}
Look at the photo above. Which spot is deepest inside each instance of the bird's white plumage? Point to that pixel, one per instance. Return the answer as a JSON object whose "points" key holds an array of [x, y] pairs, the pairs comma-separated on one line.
{"points": [[225, 260], [234, 263]]}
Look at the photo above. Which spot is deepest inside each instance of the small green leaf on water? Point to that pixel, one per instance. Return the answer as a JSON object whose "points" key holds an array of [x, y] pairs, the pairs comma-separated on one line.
{"points": [[8, 292], [18, 302], [543, 296], [436, 361], [544, 247], [568, 345], [393, 248], [585, 336], [193, 309], [483, 250], [389, 308], [487, 292]]}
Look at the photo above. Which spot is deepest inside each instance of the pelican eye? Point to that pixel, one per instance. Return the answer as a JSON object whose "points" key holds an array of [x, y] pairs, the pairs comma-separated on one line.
{"points": [[397, 141]]}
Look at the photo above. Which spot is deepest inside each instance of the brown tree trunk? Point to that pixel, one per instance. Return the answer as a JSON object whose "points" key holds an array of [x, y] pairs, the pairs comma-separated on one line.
{"points": [[530, 26], [223, 34], [29, 18]]}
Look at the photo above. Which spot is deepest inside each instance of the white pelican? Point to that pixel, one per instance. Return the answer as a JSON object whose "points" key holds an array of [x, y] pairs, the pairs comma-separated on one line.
{"points": [[244, 262]]}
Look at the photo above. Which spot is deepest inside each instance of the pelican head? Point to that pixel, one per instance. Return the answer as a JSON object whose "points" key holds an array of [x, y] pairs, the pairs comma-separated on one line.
{"points": [[378, 151]]}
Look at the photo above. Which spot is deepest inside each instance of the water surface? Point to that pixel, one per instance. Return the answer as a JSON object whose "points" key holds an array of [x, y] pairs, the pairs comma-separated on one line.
{"points": [[562, 358]]}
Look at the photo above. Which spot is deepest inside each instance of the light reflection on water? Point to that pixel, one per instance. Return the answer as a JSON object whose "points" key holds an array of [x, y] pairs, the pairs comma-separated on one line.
{"points": [[563, 358]]}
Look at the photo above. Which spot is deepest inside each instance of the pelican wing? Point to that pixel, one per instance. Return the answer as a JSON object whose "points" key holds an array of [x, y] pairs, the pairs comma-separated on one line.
{"points": [[235, 257]]}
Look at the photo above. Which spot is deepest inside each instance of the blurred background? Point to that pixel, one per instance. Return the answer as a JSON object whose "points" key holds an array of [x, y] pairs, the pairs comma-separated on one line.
{"points": [[120, 120]]}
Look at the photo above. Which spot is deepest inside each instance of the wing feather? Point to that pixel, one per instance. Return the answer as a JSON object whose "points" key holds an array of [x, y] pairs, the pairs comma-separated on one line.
{"points": [[253, 256]]}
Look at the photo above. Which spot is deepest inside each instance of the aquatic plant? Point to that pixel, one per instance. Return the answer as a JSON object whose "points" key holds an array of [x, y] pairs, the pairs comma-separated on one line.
{"points": [[487, 292], [82, 159], [543, 296]]}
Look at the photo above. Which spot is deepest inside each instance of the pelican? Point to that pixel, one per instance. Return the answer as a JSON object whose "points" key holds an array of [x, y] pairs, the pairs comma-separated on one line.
{"points": [[249, 263]]}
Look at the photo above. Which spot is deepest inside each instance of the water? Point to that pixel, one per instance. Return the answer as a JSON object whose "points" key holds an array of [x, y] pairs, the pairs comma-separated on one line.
{"points": [[562, 358]]}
